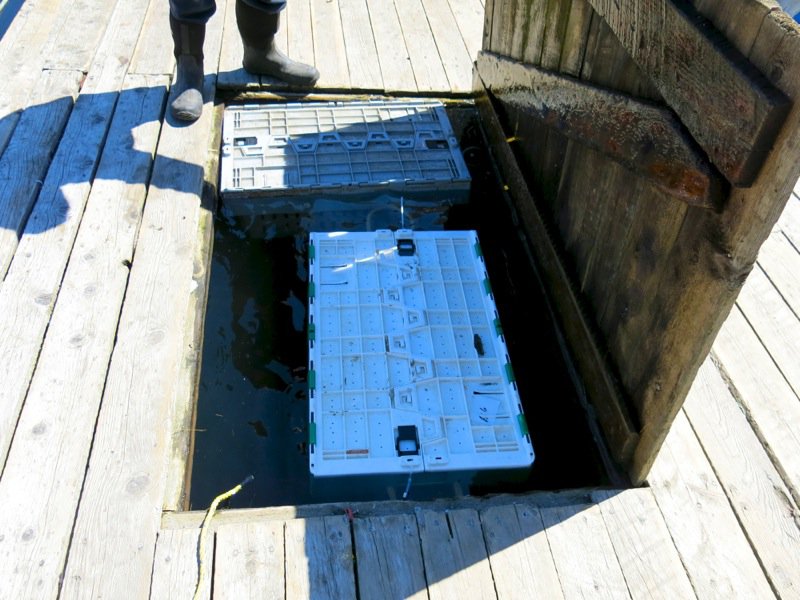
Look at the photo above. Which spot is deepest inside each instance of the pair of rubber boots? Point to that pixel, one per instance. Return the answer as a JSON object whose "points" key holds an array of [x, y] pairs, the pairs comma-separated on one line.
{"points": [[257, 29]]}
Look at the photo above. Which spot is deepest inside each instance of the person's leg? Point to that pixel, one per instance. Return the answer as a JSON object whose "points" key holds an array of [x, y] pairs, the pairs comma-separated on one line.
{"points": [[187, 19], [258, 22]]}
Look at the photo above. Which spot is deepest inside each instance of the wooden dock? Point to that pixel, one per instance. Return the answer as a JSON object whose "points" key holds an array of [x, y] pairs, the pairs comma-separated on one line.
{"points": [[104, 225]]}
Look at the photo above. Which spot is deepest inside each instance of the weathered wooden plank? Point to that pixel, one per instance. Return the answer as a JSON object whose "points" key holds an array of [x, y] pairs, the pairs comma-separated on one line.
{"points": [[469, 18], [456, 565], [556, 17], [522, 566], [362, 54], [78, 35], [452, 50], [646, 139], [22, 48], [780, 261], [713, 548], [319, 558], [600, 386], [770, 402], [389, 558], [248, 561], [329, 49], [393, 57], [758, 496], [153, 53], [425, 60], [120, 509], [584, 556], [175, 566], [42, 486], [231, 74], [736, 123], [641, 541], [789, 223], [743, 30], [576, 37], [28, 155], [534, 22], [298, 21], [777, 324]]}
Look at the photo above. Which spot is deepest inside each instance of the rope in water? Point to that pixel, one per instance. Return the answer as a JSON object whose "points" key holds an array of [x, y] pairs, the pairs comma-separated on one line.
{"points": [[201, 547]]}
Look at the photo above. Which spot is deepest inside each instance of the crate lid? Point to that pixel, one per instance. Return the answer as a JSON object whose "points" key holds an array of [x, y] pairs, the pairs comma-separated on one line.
{"points": [[408, 367], [279, 149]]}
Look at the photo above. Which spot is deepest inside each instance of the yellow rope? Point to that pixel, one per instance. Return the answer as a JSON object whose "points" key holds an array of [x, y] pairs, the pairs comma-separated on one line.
{"points": [[201, 548]]}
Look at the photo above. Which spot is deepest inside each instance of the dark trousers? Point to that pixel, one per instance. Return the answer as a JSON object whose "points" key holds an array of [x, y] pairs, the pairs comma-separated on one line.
{"points": [[200, 11]]}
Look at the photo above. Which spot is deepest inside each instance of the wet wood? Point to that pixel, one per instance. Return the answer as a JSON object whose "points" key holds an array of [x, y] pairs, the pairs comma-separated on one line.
{"points": [[732, 111], [389, 558], [646, 139], [590, 362]]}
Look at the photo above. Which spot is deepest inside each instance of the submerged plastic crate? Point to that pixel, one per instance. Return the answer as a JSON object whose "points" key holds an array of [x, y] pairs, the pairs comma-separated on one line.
{"points": [[340, 148], [408, 368]]}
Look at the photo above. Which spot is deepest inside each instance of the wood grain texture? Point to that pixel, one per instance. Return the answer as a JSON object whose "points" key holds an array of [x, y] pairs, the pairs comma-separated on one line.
{"points": [[684, 55], [77, 37], [780, 261], [362, 55], [389, 558], [584, 556], [452, 51], [646, 139], [248, 561], [713, 548], [330, 52], [590, 362], [42, 486], [469, 18], [300, 41], [777, 324], [758, 496], [649, 559], [425, 60], [770, 402], [519, 554], [456, 565], [27, 158], [175, 566], [395, 63], [319, 558], [153, 53], [120, 507]]}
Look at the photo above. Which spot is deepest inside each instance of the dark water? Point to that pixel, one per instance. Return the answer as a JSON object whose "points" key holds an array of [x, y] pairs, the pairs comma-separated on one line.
{"points": [[253, 404]]}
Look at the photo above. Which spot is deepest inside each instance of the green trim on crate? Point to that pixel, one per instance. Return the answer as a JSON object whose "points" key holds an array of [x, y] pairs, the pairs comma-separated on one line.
{"points": [[312, 432], [312, 332], [498, 328], [311, 290], [523, 424], [487, 287], [312, 380], [311, 252], [510, 373], [478, 250]]}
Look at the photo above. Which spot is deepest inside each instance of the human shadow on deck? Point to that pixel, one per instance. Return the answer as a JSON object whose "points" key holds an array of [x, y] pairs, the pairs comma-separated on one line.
{"points": [[54, 154]]}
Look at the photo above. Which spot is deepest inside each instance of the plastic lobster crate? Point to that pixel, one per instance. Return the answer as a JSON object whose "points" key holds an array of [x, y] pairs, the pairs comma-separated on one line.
{"points": [[340, 148], [408, 367]]}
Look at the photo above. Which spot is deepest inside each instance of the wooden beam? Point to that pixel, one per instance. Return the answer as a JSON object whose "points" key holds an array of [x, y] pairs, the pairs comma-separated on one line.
{"points": [[590, 361], [645, 138], [729, 107]]}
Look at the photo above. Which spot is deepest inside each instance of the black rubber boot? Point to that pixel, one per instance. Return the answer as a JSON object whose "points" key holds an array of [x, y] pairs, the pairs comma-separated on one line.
{"points": [[188, 39], [261, 57]]}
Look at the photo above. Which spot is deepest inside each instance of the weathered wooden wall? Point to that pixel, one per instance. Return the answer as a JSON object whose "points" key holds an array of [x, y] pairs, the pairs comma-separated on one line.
{"points": [[657, 275]]}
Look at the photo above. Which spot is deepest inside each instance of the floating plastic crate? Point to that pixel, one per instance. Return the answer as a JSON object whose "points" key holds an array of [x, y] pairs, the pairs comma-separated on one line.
{"points": [[340, 147], [408, 368]]}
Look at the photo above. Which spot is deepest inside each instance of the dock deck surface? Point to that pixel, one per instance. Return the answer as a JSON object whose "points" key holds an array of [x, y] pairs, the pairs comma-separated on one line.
{"points": [[101, 264]]}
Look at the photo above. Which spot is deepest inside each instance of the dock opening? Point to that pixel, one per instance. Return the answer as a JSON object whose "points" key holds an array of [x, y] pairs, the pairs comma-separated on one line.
{"points": [[252, 399]]}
